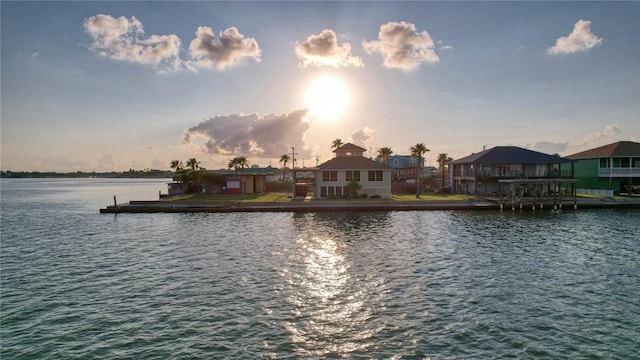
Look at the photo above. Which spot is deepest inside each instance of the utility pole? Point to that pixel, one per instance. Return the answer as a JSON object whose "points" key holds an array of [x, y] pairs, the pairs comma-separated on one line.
{"points": [[293, 170]]}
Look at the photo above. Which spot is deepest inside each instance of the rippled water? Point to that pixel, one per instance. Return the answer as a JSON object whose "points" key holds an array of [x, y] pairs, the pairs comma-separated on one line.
{"points": [[430, 284]]}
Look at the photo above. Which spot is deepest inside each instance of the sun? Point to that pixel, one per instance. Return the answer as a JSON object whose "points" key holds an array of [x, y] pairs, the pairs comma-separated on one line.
{"points": [[327, 97]]}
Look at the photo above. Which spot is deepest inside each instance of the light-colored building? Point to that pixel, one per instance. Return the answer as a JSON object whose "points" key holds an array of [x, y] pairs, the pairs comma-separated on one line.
{"points": [[349, 164]]}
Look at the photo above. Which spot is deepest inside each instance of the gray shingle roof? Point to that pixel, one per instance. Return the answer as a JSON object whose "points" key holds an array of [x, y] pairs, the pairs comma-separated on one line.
{"points": [[620, 148], [352, 163], [510, 155], [350, 147]]}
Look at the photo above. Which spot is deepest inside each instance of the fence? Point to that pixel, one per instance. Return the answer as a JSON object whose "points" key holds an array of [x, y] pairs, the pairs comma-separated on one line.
{"points": [[597, 192]]}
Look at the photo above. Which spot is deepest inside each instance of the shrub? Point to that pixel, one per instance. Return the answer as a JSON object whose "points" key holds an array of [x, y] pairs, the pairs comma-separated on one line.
{"points": [[374, 197], [363, 196]]}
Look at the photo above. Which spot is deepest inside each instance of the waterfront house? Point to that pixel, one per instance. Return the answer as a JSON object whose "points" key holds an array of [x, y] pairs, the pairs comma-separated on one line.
{"points": [[406, 167], [349, 164], [614, 167], [498, 170]]}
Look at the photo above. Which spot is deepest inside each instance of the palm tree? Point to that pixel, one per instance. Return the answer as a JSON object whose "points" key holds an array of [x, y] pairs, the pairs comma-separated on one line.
{"points": [[385, 153], [176, 164], [443, 159], [418, 150], [336, 144], [243, 162], [284, 159], [238, 162], [193, 163]]}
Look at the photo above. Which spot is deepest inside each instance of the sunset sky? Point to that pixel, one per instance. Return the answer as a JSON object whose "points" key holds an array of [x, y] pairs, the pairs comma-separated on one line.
{"points": [[102, 86]]}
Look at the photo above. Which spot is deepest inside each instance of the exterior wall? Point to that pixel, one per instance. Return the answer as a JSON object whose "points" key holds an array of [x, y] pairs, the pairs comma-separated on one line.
{"points": [[591, 175], [379, 188], [483, 179], [406, 167]]}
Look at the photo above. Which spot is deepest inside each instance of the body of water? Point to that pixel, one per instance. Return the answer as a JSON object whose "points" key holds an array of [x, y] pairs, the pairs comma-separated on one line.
{"points": [[400, 285]]}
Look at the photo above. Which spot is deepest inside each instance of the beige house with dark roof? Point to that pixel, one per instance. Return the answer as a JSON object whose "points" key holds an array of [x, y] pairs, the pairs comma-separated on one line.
{"points": [[349, 163]]}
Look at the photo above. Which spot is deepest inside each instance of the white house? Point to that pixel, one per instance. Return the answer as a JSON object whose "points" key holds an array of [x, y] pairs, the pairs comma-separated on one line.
{"points": [[349, 163]]}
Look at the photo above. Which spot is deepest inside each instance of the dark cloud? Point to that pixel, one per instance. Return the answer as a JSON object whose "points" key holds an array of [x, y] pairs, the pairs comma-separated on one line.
{"points": [[251, 135]]}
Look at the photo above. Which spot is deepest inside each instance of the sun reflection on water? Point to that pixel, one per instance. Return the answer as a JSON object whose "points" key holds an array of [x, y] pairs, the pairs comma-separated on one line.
{"points": [[331, 304]]}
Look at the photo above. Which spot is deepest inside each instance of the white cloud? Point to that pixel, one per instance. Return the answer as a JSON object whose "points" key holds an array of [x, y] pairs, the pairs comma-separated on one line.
{"points": [[549, 147], [402, 47], [124, 39], [580, 39], [361, 136], [230, 49], [251, 135], [610, 132], [323, 50], [444, 47]]}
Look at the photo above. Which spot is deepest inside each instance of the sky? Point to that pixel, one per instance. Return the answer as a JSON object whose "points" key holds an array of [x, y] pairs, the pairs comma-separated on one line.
{"points": [[113, 86]]}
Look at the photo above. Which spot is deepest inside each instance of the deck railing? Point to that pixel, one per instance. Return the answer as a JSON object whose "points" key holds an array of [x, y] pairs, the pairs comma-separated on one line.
{"points": [[619, 172]]}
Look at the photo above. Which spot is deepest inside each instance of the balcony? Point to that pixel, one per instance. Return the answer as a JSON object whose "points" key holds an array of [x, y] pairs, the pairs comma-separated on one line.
{"points": [[513, 174], [619, 172]]}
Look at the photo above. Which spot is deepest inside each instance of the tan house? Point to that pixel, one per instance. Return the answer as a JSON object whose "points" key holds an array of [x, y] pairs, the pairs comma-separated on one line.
{"points": [[349, 164]]}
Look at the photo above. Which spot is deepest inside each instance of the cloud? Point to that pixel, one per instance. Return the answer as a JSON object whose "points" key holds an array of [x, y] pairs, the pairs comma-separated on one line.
{"points": [[251, 135], [361, 136], [444, 47], [230, 49], [124, 39], [549, 147], [580, 39], [323, 50], [402, 47], [610, 132]]}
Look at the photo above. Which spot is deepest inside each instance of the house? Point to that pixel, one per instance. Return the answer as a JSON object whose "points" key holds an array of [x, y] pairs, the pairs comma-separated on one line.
{"points": [[349, 164], [406, 167], [613, 167], [244, 181], [500, 169]]}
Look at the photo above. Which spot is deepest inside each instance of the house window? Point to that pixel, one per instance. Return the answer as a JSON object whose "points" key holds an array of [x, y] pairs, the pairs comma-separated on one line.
{"points": [[604, 163], [323, 191], [375, 175], [329, 176], [352, 175], [396, 162]]}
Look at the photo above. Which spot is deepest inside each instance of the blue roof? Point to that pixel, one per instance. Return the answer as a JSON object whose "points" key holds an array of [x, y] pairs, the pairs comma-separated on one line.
{"points": [[511, 155]]}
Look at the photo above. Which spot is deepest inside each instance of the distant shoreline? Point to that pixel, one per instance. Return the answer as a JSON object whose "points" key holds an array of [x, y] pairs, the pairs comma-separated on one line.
{"points": [[131, 174]]}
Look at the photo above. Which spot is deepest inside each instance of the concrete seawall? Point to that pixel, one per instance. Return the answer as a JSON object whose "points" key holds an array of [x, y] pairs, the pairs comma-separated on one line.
{"points": [[345, 205]]}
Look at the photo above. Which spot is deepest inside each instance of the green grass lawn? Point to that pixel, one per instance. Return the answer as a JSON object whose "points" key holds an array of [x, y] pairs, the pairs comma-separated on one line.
{"points": [[266, 197], [441, 197], [286, 197]]}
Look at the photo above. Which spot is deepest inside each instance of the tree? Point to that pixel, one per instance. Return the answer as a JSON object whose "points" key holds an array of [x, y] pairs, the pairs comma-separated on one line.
{"points": [[284, 159], [352, 188], [238, 162], [418, 150], [443, 159], [176, 164], [193, 163], [385, 153], [336, 144]]}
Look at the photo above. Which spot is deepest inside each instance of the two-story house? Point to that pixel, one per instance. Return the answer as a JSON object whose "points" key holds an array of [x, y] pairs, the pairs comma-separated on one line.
{"points": [[487, 171], [613, 167], [349, 164], [406, 167]]}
